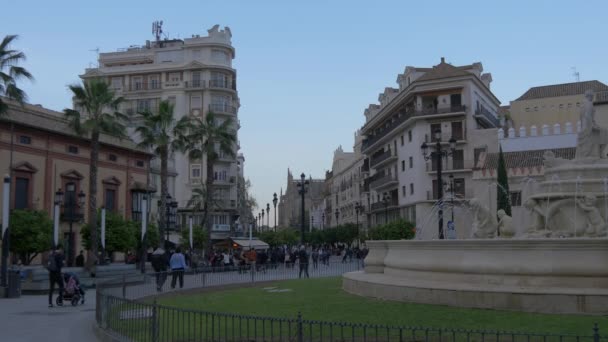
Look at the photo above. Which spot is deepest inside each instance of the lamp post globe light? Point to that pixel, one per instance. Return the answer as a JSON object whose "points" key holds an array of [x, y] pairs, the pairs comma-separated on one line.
{"points": [[302, 189], [170, 213], [451, 189], [438, 156], [386, 199], [275, 200], [268, 215], [72, 205]]}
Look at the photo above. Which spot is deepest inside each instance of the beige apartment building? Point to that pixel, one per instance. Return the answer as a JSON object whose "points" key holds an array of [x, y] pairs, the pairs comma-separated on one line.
{"points": [[48, 156], [196, 75], [455, 100], [557, 104], [343, 201]]}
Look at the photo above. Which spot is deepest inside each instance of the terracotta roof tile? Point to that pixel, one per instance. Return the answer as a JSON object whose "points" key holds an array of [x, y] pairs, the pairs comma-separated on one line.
{"points": [[565, 89], [525, 159]]}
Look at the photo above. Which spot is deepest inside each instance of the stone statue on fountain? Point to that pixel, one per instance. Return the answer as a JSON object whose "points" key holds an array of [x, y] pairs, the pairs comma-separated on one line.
{"points": [[596, 225], [484, 222], [505, 225], [592, 139]]}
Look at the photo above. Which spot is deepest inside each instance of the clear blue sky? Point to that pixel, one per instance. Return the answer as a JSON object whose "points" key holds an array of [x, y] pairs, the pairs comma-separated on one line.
{"points": [[308, 69]]}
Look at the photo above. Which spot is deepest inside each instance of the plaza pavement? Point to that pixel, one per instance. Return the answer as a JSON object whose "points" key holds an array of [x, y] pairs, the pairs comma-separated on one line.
{"points": [[29, 318]]}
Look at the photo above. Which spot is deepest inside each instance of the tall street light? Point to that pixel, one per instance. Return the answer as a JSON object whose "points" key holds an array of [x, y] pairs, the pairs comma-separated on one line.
{"points": [[268, 215], [358, 209], [337, 213], [386, 199], [72, 204], [302, 189], [6, 192], [452, 194], [170, 213], [262, 217], [438, 156], [275, 200], [322, 220]]}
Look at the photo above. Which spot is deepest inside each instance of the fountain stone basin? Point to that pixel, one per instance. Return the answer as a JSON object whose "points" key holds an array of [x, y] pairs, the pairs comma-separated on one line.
{"points": [[532, 275]]}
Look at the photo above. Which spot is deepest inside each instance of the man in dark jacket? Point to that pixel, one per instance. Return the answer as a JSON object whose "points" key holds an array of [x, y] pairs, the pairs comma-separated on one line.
{"points": [[160, 261], [54, 265], [303, 258]]}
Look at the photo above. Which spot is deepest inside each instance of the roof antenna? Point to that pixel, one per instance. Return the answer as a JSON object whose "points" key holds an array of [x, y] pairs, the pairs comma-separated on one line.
{"points": [[157, 30], [96, 50], [576, 74]]}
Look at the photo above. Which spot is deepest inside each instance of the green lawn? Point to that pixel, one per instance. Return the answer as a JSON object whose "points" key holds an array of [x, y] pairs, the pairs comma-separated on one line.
{"points": [[323, 299]]}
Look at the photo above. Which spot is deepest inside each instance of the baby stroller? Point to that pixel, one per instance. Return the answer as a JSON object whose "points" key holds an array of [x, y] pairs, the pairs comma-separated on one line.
{"points": [[71, 291]]}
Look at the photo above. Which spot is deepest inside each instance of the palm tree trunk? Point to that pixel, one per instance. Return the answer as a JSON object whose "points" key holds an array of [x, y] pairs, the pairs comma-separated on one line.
{"points": [[208, 205], [164, 190], [92, 260]]}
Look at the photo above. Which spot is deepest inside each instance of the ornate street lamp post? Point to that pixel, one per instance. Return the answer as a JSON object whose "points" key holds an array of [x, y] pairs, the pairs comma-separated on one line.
{"points": [[71, 206], [268, 215], [262, 217], [358, 209], [386, 199], [438, 156], [302, 188], [274, 202], [337, 213]]}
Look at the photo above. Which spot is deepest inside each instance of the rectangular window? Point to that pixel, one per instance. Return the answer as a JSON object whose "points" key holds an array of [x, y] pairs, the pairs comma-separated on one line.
{"points": [[458, 160], [110, 199], [24, 139], [403, 165], [154, 82], [402, 140], [515, 198], [195, 173], [459, 187], [218, 79], [196, 102], [455, 100], [112, 157], [219, 56], [411, 162], [137, 83], [409, 135], [403, 191], [457, 131], [196, 79], [139, 163], [411, 188], [22, 187], [435, 128], [477, 152], [73, 149], [116, 83]]}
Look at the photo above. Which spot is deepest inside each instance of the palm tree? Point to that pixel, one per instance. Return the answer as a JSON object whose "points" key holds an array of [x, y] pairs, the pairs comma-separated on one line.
{"points": [[208, 138], [96, 113], [163, 134], [10, 73]]}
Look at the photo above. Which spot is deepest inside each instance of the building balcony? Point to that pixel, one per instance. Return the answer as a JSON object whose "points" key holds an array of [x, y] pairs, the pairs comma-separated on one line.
{"points": [[381, 159], [378, 206], [224, 204], [195, 84], [404, 116], [384, 182], [485, 116], [222, 108], [222, 84], [365, 166], [453, 165], [225, 182]]}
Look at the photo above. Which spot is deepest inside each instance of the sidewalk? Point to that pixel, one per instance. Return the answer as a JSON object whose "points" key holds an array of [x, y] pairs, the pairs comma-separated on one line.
{"points": [[30, 319]]}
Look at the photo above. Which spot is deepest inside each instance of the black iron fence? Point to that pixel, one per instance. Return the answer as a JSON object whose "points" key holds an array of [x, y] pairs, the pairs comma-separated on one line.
{"points": [[127, 310]]}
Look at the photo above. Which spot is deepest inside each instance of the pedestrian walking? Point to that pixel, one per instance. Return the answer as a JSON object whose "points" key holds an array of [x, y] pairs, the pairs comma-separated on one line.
{"points": [[54, 265], [303, 258], [159, 264], [315, 258], [178, 266]]}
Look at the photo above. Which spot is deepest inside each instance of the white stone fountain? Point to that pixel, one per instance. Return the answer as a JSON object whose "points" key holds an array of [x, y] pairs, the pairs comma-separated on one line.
{"points": [[559, 264]]}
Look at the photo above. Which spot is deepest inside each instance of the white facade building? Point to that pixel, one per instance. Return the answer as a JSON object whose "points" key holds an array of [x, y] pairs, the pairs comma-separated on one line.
{"points": [[455, 100], [196, 75]]}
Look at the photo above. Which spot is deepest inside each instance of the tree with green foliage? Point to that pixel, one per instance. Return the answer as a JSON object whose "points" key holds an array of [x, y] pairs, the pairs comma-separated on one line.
{"points": [[121, 235], [163, 134], [96, 113], [396, 230], [209, 138], [31, 233], [10, 73], [199, 237], [502, 185]]}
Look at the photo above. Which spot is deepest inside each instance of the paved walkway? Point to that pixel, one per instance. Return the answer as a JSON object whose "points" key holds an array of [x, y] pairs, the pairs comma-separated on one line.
{"points": [[30, 319]]}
